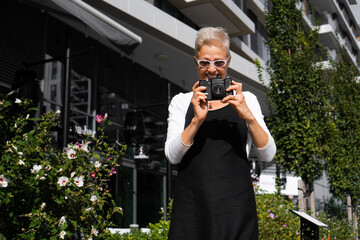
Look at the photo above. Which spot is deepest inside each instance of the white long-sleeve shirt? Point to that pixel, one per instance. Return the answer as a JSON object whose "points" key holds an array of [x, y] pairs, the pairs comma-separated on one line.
{"points": [[175, 149]]}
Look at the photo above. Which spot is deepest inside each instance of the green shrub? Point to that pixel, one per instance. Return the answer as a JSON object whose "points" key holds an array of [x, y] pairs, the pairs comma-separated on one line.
{"points": [[158, 231], [47, 193], [277, 222], [275, 219], [339, 228]]}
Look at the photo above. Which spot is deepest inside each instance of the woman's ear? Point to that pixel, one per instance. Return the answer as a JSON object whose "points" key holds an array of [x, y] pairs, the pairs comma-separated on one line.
{"points": [[228, 63]]}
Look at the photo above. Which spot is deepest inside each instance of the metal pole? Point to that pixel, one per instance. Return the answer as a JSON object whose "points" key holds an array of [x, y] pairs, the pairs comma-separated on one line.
{"points": [[169, 190], [134, 195], [117, 199], [66, 105]]}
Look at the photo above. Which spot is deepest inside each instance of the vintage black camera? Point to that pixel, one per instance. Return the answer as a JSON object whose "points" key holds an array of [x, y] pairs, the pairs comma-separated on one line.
{"points": [[216, 88]]}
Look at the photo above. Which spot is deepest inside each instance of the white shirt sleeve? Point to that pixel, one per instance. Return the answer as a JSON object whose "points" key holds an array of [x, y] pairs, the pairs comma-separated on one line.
{"points": [[266, 153], [175, 149]]}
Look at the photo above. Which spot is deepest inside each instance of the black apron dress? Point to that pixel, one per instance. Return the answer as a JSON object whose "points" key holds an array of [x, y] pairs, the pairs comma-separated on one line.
{"points": [[214, 197]]}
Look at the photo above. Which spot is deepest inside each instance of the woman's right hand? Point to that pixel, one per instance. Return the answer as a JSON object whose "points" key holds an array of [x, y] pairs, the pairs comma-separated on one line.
{"points": [[200, 106], [199, 102]]}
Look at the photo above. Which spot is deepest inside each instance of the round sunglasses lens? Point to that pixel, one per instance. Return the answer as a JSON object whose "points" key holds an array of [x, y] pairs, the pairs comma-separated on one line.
{"points": [[204, 63], [219, 63]]}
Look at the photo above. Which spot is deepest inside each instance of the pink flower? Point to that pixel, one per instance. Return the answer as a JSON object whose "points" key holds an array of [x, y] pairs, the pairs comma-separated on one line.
{"points": [[271, 215], [113, 171], [71, 153], [3, 181], [62, 181], [82, 146], [79, 181], [99, 118], [284, 225], [92, 174]]}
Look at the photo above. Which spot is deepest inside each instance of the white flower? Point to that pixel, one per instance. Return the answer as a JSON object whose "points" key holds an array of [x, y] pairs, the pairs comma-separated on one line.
{"points": [[17, 100], [88, 209], [58, 111], [15, 126], [47, 168], [97, 164], [72, 174], [36, 168], [14, 147], [27, 116], [62, 234], [20, 153], [93, 198], [62, 220], [84, 146], [71, 153], [62, 181], [43, 205], [4, 182], [21, 162], [79, 181], [77, 146], [94, 231]]}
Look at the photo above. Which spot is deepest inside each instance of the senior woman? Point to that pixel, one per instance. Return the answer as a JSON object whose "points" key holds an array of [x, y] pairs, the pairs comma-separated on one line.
{"points": [[210, 141]]}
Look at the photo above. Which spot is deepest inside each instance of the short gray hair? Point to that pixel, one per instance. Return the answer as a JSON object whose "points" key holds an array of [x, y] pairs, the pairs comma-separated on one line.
{"points": [[211, 35]]}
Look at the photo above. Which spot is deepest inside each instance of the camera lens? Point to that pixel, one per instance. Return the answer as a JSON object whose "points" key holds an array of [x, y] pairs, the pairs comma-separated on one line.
{"points": [[218, 91]]}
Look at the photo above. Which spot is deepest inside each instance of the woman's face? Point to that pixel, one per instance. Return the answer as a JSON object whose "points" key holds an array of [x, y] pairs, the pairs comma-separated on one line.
{"points": [[212, 53]]}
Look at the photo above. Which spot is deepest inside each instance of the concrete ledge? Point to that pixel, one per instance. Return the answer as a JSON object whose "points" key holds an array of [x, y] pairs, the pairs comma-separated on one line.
{"points": [[126, 230]]}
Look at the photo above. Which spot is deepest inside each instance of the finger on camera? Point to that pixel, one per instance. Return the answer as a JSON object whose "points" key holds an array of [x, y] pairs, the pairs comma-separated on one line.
{"points": [[228, 98], [200, 89], [195, 86], [201, 95], [238, 86]]}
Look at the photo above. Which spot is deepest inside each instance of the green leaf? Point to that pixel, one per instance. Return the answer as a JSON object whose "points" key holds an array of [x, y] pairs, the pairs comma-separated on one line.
{"points": [[96, 155]]}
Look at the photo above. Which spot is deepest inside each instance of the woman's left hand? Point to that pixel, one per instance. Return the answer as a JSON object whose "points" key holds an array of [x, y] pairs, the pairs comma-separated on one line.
{"points": [[238, 102], [259, 136]]}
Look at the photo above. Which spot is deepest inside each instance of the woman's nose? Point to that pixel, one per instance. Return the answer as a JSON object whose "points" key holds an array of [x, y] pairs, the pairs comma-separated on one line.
{"points": [[212, 68]]}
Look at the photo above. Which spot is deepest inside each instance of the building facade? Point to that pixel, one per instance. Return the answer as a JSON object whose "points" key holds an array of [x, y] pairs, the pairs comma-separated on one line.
{"points": [[128, 58]]}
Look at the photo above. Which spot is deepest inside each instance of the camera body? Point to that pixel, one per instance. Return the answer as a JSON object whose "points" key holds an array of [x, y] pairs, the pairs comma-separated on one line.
{"points": [[216, 88]]}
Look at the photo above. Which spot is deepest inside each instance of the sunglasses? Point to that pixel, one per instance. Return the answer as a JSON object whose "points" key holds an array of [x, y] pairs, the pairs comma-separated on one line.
{"points": [[207, 63]]}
